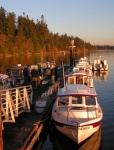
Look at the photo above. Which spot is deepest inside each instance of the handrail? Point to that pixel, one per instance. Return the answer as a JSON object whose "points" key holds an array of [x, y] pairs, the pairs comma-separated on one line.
{"points": [[15, 101], [68, 111]]}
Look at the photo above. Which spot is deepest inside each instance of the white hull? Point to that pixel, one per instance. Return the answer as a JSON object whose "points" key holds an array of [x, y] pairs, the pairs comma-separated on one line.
{"points": [[72, 133], [77, 134], [94, 142]]}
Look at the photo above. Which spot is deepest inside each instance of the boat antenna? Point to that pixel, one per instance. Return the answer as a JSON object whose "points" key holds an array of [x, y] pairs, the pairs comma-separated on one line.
{"points": [[84, 48], [73, 50]]}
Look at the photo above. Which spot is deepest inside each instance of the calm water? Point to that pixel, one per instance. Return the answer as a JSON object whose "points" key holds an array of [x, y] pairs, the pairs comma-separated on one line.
{"points": [[104, 84]]}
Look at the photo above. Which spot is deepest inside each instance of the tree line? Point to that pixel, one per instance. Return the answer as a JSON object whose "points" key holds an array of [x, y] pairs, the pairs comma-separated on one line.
{"points": [[22, 35]]}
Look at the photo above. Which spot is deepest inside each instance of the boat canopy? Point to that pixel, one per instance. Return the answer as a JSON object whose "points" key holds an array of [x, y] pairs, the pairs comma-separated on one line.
{"points": [[76, 90]]}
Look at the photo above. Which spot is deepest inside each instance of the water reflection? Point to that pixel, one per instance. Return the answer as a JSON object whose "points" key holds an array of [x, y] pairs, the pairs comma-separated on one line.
{"points": [[100, 75], [8, 62], [61, 142]]}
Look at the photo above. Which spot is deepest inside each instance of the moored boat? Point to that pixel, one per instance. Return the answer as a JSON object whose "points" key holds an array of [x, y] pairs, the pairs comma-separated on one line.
{"points": [[100, 64], [83, 63], [76, 112]]}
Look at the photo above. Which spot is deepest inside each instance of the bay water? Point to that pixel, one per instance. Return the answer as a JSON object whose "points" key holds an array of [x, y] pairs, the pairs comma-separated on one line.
{"points": [[104, 84]]}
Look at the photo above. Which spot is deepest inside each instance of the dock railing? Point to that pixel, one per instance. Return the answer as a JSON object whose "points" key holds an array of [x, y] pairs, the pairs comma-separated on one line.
{"points": [[15, 101]]}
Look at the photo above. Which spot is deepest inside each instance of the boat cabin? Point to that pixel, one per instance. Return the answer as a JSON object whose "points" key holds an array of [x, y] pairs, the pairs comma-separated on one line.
{"points": [[80, 77], [4, 81], [78, 98], [78, 103], [16, 74]]}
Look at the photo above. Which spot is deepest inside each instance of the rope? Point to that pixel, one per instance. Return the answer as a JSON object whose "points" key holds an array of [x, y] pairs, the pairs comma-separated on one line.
{"points": [[46, 119], [40, 122]]}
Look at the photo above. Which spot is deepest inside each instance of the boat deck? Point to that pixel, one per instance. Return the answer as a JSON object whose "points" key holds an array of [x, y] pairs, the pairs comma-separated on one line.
{"points": [[14, 134]]}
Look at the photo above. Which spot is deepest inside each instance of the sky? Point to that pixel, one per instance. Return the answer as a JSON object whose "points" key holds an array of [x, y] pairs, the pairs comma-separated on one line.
{"points": [[90, 20]]}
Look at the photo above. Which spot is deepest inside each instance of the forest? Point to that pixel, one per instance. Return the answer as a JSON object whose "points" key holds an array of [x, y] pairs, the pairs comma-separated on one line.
{"points": [[21, 35]]}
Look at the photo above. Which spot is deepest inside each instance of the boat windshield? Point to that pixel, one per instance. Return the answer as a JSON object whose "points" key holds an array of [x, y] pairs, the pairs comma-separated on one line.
{"points": [[71, 80], [77, 100], [64, 100], [90, 100]]}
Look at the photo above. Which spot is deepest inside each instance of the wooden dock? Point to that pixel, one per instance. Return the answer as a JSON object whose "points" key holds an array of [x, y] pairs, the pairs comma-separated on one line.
{"points": [[23, 132]]}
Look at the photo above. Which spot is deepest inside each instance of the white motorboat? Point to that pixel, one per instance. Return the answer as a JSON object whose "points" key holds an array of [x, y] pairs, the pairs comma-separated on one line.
{"points": [[80, 77], [83, 63], [100, 64], [76, 112]]}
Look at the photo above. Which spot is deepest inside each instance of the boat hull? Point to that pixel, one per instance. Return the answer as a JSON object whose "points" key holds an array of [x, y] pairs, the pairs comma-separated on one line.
{"points": [[77, 133]]}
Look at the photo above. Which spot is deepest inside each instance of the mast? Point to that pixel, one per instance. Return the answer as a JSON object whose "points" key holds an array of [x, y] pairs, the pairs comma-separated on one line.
{"points": [[73, 52], [64, 76], [84, 48]]}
